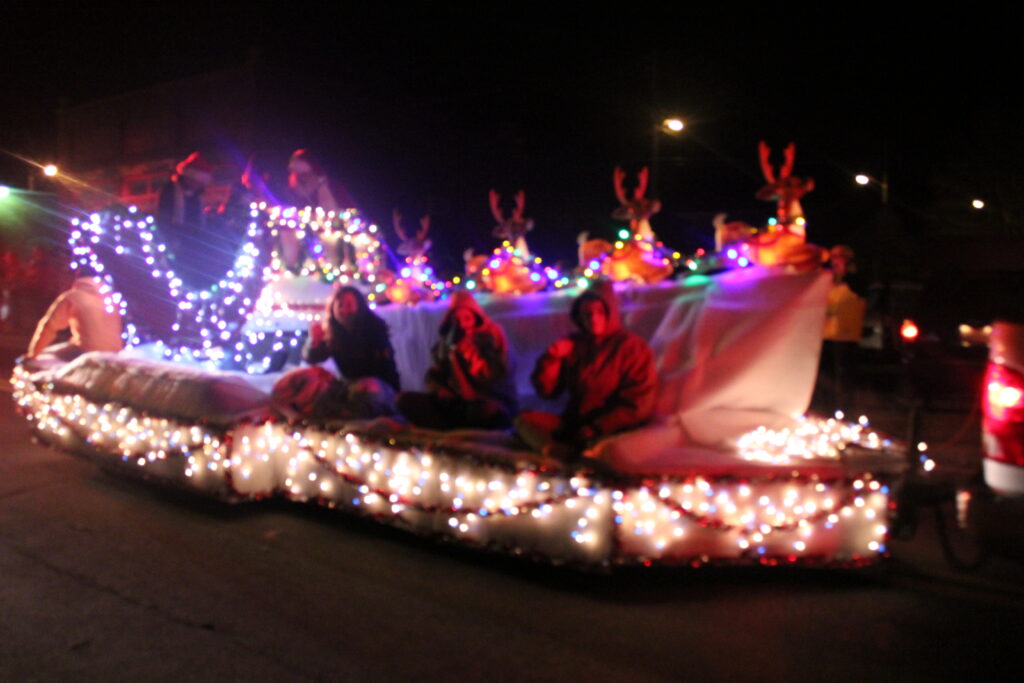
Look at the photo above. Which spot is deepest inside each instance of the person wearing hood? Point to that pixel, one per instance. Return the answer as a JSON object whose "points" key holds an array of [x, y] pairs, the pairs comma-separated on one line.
{"points": [[470, 383], [607, 371], [88, 311], [358, 342]]}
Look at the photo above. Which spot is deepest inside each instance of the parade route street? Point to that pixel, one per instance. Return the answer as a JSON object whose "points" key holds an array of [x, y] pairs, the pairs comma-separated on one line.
{"points": [[109, 578]]}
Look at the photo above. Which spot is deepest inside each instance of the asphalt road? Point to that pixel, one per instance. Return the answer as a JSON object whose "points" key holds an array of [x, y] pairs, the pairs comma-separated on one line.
{"points": [[105, 578]]}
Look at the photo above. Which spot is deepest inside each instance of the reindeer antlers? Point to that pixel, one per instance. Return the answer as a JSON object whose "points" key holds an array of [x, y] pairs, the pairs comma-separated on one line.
{"points": [[618, 175], [641, 187], [764, 152], [495, 209], [787, 167], [517, 213], [396, 220]]}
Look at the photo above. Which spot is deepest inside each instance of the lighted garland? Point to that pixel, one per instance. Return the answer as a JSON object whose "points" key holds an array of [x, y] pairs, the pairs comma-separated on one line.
{"points": [[353, 241], [209, 325], [811, 438], [116, 429], [507, 270], [764, 519]]}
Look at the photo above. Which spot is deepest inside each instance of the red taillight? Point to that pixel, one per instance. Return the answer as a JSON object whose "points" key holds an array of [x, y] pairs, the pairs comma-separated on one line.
{"points": [[1004, 394], [909, 331]]}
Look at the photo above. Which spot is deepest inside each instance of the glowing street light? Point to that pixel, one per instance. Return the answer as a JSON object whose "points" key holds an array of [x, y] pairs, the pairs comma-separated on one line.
{"points": [[865, 179], [50, 170], [5, 192], [978, 204], [673, 125]]}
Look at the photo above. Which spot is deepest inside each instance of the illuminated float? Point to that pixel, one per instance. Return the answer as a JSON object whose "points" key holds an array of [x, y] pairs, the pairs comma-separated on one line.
{"points": [[729, 473]]}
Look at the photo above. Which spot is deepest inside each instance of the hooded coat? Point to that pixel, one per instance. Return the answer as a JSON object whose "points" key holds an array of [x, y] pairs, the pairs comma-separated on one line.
{"points": [[611, 379], [482, 354], [365, 351]]}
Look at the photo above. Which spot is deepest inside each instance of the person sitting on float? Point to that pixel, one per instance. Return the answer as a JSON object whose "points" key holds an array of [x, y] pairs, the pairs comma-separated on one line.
{"points": [[470, 383], [358, 342], [607, 371], [88, 311]]}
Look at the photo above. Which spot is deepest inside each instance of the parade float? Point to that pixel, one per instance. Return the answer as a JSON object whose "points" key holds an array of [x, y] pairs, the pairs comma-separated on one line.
{"points": [[731, 471]]}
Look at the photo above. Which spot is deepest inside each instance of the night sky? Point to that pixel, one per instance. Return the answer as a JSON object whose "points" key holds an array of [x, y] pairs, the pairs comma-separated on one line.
{"points": [[428, 109]]}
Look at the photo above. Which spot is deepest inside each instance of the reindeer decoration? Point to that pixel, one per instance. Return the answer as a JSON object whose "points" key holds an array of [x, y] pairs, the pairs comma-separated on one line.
{"points": [[785, 189], [411, 284], [515, 227], [590, 250], [414, 248], [638, 210], [728, 233]]}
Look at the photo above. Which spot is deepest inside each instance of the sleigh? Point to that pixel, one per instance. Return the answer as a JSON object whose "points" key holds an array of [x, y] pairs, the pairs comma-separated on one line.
{"points": [[730, 472]]}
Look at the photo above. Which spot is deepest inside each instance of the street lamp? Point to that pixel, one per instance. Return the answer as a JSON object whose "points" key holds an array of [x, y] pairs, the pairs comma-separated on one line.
{"points": [[883, 184], [673, 125], [978, 204], [50, 170]]}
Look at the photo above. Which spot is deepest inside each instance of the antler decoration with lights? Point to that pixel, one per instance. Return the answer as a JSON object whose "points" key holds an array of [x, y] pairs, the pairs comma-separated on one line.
{"points": [[638, 210], [786, 189], [515, 227]]}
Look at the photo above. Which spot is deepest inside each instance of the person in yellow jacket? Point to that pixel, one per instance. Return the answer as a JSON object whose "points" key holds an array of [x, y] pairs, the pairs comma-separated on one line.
{"points": [[87, 310]]}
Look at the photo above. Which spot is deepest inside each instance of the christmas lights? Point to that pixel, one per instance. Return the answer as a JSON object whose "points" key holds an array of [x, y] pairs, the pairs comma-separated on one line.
{"points": [[509, 500], [212, 326]]}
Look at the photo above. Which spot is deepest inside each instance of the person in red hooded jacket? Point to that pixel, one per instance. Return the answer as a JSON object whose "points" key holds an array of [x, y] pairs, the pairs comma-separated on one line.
{"points": [[470, 383], [607, 371]]}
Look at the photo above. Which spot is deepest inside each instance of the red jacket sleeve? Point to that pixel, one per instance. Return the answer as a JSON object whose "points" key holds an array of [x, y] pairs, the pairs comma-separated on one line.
{"points": [[634, 401], [548, 376]]}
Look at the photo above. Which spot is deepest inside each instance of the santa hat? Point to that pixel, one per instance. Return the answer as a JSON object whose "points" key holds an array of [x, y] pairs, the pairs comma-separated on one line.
{"points": [[195, 167]]}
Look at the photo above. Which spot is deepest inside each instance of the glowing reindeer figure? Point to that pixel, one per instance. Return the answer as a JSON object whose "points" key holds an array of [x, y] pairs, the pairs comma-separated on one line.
{"points": [[414, 248], [515, 227], [786, 189], [638, 210], [638, 259], [510, 268], [415, 276]]}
